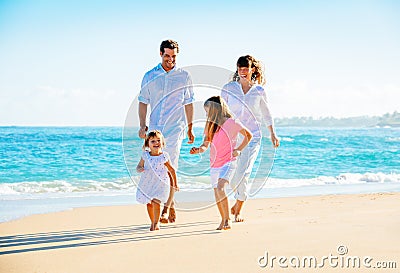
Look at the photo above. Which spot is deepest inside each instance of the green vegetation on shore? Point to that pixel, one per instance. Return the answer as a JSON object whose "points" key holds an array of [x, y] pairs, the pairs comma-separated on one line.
{"points": [[391, 120]]}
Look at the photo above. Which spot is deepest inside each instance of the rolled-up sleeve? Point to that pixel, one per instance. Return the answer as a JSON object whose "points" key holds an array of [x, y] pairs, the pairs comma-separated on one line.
{"points": [[144, 95], [265, 111], [189, 94]]}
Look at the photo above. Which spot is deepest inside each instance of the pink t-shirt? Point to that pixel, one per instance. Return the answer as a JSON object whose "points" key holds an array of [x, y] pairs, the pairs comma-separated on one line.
{"points": [[223, 143]]}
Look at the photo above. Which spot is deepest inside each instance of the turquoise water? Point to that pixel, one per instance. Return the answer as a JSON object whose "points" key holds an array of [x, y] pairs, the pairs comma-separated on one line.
{"points": [[49, 162]]}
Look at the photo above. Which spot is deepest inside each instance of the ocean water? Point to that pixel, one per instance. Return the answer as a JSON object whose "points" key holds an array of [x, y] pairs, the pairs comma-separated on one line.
{"points": [[45, 169]]}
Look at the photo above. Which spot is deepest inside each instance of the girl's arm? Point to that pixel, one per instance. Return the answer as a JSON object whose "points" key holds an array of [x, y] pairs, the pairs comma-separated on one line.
{"points": [[140, 166], [247, 137], [203, 147], [171, 171]]}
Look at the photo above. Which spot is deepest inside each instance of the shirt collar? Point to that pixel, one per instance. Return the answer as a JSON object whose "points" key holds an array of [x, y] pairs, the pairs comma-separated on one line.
{"points": [[240, 86]]}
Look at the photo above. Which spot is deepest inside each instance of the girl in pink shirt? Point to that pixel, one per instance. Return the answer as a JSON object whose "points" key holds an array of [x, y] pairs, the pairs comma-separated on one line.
{"points": [[221, 132]]}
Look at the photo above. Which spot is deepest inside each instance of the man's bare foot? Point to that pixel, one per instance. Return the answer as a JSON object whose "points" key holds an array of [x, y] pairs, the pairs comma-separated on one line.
{"points": [[239, 218], [163, 218], [172, 215], [151, 227]]}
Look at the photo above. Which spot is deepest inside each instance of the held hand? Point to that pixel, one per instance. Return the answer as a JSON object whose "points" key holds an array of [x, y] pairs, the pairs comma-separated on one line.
{"points": [[236, 153], [176, 188], [275, 141], [139, 169], [194, 150], [190, 136], [142, 131]]}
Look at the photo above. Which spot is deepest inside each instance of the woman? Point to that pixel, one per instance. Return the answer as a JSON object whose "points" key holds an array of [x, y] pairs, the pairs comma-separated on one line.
{"points": [[246, 97]]}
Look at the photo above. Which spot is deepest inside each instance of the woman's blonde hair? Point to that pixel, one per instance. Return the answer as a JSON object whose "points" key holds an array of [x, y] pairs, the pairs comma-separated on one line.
{"points": [[218, 111], [250, 61], [153, 133]]}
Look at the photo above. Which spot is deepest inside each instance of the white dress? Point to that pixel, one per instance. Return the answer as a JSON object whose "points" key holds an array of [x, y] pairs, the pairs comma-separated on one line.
{"points": [[154, 182]]}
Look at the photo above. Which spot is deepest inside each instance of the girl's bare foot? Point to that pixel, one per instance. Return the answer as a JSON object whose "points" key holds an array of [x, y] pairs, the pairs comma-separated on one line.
{"points": [[154, 227], [227, 224], [221, 226]]}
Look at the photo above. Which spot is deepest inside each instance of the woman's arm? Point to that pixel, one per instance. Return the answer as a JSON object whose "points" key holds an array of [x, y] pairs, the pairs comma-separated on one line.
{"points": [[247, 138], [274, 138], [171, 170], [140, 166], [266, 113]]}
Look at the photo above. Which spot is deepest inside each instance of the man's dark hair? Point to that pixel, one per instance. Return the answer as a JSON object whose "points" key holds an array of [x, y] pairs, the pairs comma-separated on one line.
{"points": [[171, 44]]}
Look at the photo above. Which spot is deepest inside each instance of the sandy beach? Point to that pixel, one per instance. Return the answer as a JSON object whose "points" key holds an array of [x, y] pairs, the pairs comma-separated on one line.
{"points": [[276, 237]]}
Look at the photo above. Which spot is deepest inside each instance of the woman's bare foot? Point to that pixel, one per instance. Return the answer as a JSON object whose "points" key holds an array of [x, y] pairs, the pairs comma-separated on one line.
{"points": [[238, 218], [235, 210], [163, 218], [172, 215]]}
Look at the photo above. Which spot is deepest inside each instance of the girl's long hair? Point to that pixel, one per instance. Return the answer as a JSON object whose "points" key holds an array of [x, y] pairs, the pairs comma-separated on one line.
{"points": [[250, 61], [218, 111]]}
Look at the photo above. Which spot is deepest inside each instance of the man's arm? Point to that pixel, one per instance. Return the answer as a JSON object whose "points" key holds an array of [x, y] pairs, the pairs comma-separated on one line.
{"points": [[142, 119], [189, 119]]}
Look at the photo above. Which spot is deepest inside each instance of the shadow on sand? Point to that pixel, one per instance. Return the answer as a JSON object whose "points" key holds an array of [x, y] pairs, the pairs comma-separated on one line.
{"points": [[100, 236]]}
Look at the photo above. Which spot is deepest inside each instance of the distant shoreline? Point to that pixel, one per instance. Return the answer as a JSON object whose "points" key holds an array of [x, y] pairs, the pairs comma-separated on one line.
{"points": [[387, 120]]}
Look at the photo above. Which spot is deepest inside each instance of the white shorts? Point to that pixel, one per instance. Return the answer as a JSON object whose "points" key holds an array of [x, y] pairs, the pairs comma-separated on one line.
{"points": [[225, 172]]}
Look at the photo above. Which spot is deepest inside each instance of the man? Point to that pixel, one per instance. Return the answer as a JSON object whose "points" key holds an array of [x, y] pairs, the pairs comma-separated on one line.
{"points": [[168, 90]]}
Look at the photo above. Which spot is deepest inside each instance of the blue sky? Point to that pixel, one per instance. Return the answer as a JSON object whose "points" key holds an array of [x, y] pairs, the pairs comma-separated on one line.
{"points": [[81, 62]]}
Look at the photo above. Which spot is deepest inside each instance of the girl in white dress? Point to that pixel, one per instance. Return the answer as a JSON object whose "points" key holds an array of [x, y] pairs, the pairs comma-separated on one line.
{"points": [[157, 177]]}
